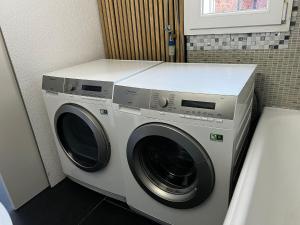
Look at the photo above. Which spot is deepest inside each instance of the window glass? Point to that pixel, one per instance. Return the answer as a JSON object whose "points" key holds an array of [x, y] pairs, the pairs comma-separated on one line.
{"points": [[230, 6], [78, 139], [167, 162]]}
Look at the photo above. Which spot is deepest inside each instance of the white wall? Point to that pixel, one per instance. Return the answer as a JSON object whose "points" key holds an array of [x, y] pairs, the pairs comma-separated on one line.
{"points": [[21, 169], [42, 36]]}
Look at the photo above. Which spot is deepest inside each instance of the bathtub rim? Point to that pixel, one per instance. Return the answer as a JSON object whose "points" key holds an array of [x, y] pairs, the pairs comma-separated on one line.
{"points": [[242, 196]]}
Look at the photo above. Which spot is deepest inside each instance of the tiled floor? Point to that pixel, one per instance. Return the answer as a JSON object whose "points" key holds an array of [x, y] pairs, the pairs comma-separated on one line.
{"points": [[71, 204]]}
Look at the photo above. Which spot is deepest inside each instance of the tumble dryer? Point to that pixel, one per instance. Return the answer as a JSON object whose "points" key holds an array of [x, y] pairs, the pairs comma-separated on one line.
{"points": [[78, 101], [181, 129]]}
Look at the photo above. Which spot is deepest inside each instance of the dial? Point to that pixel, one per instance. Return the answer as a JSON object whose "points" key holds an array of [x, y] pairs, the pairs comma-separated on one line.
{"points": [[163, 102], [71, 87]]}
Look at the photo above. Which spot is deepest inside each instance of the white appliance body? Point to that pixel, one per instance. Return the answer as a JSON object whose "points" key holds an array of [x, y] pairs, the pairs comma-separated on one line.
{"points": [[196, 134], [79, 105], [4, 216]]}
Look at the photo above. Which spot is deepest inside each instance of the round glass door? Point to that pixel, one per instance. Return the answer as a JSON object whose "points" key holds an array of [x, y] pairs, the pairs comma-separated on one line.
{"points": [[82, 137], [170, 165]]}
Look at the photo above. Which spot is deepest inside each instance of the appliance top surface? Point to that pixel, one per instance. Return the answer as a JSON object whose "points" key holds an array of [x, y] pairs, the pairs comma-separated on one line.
{"points": [[104, 70], [220, 79]]}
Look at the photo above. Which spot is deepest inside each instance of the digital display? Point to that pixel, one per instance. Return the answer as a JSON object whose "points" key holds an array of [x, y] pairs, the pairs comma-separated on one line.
{"points": [[91, 88], [197, 104]]}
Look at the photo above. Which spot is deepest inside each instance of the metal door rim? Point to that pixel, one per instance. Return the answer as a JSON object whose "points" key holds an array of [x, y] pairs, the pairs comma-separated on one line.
{"points": [[98, 131], [205, 171]]}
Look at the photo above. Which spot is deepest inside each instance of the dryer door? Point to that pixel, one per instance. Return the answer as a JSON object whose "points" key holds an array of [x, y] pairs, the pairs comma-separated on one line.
{"points": [[170, 165], [82, 137]]}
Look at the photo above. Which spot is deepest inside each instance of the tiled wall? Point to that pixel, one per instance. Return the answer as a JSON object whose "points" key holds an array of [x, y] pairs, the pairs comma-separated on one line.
{"points": [[250, 41], [278, 72]]}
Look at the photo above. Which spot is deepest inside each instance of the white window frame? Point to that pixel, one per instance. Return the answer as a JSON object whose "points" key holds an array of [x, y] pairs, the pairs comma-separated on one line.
{"points": [[276, 19]]}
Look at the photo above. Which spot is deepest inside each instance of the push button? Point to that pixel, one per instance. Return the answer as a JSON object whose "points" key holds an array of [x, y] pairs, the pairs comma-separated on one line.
{"points": [[219, 120], [103, 111]]}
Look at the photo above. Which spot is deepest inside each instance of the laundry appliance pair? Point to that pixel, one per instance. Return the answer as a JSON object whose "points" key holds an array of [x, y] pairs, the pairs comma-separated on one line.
{"points": [[175, 136]]}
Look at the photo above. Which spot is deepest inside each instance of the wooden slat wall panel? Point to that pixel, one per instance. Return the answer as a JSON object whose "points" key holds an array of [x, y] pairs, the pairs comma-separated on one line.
{"points": [[114, 28], [135, 29], [110, 28], [118, 26], [176, 25], [122, 38], [181, 28], [152, 29], [130, 29], [148, 30], [143, 28], [139, 29], [157, 30], [166, 18], [161, 29], [104, 29]]}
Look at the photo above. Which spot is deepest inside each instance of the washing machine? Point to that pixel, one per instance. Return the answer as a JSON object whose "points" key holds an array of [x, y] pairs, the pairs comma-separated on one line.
{"points": [[79, 105], [181, 129]]}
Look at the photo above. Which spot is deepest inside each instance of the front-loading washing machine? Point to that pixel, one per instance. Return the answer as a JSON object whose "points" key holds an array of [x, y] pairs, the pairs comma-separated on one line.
{"points": [[181, 130], [78, 101]]}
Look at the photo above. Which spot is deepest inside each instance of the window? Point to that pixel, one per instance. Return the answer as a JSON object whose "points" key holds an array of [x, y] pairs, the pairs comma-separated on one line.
{"points": [[232, 6], [236, 16]]}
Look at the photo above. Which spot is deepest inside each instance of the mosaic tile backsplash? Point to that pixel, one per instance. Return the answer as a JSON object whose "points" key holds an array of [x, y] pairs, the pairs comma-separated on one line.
{"points": [[278, 72], [250, 41]]}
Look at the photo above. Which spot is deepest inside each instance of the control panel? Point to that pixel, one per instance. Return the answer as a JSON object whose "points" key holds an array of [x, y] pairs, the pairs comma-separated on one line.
{"points": [[132, 97], [198, 105], [187, 104], [53, 84], [100, 89]]}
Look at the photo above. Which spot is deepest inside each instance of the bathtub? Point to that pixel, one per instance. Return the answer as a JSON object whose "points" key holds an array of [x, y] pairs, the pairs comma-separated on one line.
{"points": [[268, 190]]}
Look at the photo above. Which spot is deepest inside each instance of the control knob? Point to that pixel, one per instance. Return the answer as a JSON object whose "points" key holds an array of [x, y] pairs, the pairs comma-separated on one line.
{"points": [[163, 102], [70, 87]]}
